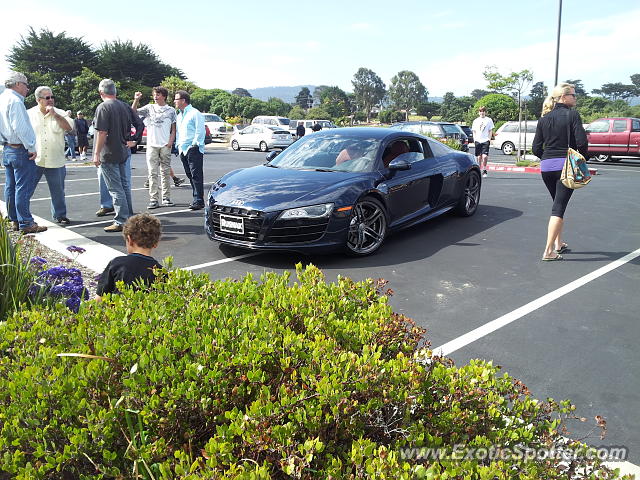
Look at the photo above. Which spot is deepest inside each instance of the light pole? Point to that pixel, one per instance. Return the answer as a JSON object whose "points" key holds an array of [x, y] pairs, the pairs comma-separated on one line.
{"points": [[555, 82]]}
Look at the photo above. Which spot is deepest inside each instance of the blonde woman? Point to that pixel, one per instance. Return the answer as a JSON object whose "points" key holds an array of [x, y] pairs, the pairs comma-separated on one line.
{"points": [[559, 128]]}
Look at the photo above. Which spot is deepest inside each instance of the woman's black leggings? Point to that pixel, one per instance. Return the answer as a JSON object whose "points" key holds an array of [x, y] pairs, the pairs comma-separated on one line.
{"points": [[559, 193]]}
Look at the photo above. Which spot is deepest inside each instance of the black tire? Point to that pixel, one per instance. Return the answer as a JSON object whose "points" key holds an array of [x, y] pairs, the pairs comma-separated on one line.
{"points": [[367, 227], [235, 145], [601, 158], [508, 148], [470, 198], [263, 147]]}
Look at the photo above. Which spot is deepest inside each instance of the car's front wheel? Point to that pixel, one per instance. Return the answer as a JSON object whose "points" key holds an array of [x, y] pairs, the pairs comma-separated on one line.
{"points": [[367, 228], [470, 198], [508, 148], [235, 145], [264, 147]]}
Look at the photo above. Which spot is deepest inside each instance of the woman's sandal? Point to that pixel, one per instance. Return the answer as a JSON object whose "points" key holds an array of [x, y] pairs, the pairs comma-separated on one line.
{"points": [[563, 248], [552, 259]]}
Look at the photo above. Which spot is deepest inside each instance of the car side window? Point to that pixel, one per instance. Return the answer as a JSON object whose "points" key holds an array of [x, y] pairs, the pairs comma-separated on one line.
{"points": [[599, 126], [531, 128], [619, 126], [510, 128], [635, 125]]}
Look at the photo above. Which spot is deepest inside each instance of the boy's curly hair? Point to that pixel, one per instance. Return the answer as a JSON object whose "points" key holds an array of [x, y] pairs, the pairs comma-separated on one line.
{"points": [[144, 230]]}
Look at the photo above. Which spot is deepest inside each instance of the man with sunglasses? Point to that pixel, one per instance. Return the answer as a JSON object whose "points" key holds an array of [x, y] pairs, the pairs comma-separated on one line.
{"points": [[51, 124], [19, 153]]}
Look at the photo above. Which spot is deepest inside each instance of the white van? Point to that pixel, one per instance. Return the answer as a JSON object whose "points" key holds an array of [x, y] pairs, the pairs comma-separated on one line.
{"points": [[506, 137], [282, 122], [308, 125]]}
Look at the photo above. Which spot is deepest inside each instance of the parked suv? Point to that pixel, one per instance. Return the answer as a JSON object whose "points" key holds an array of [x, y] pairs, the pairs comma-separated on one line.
{"points": [[613, 136], [436, 130], [508, 139]]}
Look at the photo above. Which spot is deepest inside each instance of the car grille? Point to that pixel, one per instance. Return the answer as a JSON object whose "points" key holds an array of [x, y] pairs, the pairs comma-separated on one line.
{"points": [[253, 220], [297, 230]]}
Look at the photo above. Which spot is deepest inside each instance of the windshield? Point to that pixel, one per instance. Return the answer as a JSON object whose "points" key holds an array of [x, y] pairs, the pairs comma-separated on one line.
{"points": [[212, 118], [283, 121], [333, 153], [450, 128]]}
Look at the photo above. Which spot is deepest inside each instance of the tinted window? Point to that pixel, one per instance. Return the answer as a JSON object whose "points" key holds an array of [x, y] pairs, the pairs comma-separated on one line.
{"points": [[212, 118], [599, 126], [283, 121], [451, 129], [510, 128], [531, 128], [438, 148], [619, 126], [635, 125]]}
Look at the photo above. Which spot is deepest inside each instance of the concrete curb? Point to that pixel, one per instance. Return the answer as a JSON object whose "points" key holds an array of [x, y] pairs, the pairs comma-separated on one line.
{"points": [[501, 167]]}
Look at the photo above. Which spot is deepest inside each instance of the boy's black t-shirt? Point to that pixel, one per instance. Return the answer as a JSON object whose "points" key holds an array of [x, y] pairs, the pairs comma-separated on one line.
{"points": [[128, 269]]}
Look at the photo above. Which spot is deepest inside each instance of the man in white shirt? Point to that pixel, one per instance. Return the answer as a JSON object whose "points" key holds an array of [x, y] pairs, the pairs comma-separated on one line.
{"points": [[160, 120], [482, 128], [51, 124]]}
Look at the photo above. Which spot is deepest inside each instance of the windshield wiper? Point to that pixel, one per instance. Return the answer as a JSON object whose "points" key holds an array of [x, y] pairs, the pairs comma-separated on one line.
{"points": [[270, 165], [323, 170]]}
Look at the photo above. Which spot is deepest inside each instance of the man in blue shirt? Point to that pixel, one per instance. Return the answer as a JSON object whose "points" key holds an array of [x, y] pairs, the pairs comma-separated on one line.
{"points": [[19, 153], [190, 133]]}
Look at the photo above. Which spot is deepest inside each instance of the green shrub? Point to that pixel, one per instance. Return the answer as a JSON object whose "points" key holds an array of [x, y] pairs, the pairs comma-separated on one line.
{"points": [[390, 116], [245, 379]]}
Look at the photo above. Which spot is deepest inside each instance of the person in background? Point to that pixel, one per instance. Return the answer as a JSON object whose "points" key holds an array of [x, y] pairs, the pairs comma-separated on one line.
{"points": [[51, 124], [141, 235], [300, 130], [160, 120], [190, 143], [82, 131], [482, 128], [316, 127], [70, 139], [19, 153], [559, 128]]}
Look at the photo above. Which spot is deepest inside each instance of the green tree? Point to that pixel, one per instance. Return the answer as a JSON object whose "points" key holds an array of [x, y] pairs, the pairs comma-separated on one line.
{"points": [[455, 109], [616, 91], [276, 106], [318, 113], [536, 98], [62, 93], [500, 108], [304, 99], [201, 98], [335, 101], [44, 52], [297, 113], [406, 91], [220, 103], [84, 95], [478, 93], [368, 89], [635, 79], [133, 64], [579, 87], [429, 109], [174, 83], [241, 92]]}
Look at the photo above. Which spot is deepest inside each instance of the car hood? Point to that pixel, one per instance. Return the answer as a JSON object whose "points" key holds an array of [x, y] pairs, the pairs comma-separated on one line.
{"points": [[270, 189]]}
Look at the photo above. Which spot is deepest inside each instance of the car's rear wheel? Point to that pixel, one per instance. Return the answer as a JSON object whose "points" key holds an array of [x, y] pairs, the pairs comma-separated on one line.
{"points": [[263, 147], [235, 145], [508, 148], [601, 158], [367, 227], [470, 198]]}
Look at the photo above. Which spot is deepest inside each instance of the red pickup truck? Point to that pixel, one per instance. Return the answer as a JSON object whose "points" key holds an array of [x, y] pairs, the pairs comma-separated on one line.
{"points": [[610, 137]]}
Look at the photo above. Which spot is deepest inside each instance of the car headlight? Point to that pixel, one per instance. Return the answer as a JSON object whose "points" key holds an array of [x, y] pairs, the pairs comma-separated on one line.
{"points": [[313, 211]]}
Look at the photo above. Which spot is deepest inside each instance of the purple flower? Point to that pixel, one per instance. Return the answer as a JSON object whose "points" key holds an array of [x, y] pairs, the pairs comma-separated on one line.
{"points": [[74, 249], [73, 304], [38, 261]]}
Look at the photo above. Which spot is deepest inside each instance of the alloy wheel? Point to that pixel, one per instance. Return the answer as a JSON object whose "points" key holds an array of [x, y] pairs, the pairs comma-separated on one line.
{"points": [[367, 228]]}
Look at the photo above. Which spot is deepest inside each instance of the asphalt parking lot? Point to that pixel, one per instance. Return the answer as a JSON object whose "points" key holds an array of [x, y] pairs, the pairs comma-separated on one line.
{"points": [[453, 275]]}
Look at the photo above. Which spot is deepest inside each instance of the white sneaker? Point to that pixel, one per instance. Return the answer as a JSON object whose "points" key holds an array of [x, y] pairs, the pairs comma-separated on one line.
{"points": [[167, 203], [484, 174]]}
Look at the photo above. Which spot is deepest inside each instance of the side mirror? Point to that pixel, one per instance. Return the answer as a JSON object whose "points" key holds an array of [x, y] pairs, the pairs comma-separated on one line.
{"points": [[271, 155], [399, 164]]}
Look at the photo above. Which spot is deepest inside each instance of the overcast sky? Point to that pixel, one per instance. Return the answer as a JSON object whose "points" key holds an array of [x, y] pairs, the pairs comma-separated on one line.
{"points": [[255, 43]]}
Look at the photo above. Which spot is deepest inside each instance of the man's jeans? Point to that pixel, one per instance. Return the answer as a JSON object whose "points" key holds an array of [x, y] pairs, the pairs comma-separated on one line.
{"points": [[20, 173], [115, 178], [55, 179], [105, 197], [159, 159], [71, 146], [192, 163]]}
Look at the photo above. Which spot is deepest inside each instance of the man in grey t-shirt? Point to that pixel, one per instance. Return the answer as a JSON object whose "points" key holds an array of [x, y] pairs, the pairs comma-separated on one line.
{"points": [[113, 120]]}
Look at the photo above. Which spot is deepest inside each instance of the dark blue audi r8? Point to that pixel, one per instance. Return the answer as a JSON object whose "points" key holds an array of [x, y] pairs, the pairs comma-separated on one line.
{"points": [[341, 188]]}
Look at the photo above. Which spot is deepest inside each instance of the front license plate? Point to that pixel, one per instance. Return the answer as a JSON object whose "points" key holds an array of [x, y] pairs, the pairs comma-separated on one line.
{"points": [[231, 224]]}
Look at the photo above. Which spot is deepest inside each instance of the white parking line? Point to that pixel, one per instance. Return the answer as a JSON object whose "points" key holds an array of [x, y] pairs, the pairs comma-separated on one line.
{"points": [[80, 195], [224, 260], [101, 222], [490, 327]]}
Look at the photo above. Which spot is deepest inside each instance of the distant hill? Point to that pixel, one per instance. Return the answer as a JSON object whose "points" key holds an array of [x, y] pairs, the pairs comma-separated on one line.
{"points": [[286, 94]]}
